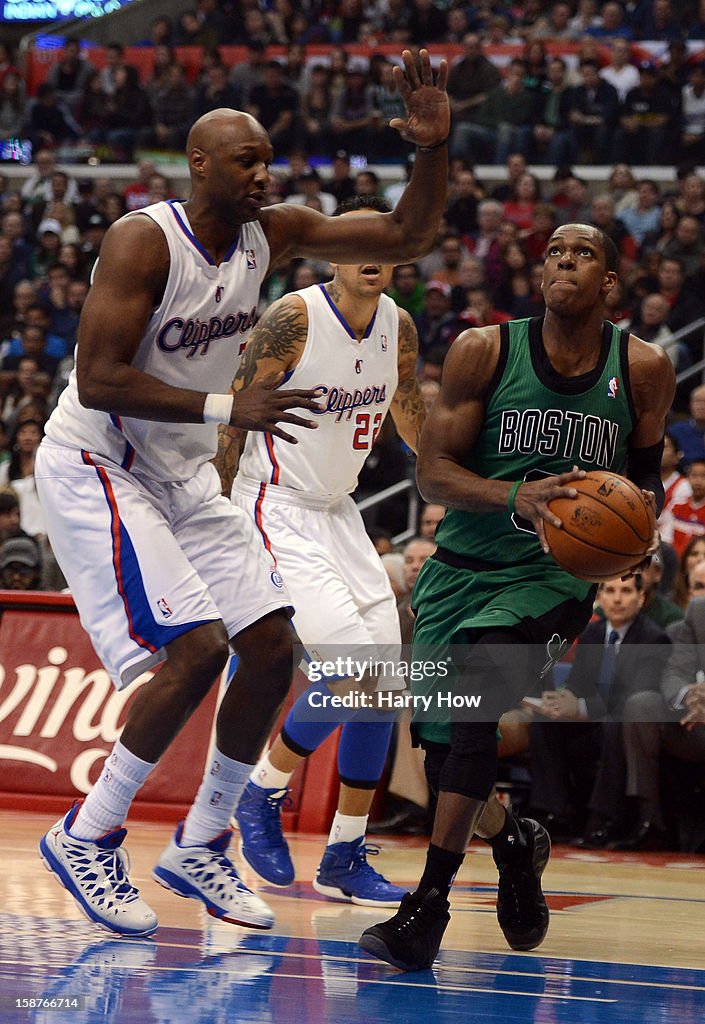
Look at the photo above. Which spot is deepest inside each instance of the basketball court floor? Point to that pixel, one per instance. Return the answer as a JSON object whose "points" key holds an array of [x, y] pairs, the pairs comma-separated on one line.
{"points": [[626, 946]]}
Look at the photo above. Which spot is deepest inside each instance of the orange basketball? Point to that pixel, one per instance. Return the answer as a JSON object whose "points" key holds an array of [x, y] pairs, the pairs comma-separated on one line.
{"points": [[606, 530]]}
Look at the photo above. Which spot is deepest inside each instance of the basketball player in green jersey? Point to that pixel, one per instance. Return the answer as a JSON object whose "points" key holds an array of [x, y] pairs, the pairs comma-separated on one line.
{"points": [[524, 410]]}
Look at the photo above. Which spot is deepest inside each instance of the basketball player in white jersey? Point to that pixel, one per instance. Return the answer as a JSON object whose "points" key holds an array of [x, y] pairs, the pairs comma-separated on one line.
{"points": [[164, 570], [358, 350]]}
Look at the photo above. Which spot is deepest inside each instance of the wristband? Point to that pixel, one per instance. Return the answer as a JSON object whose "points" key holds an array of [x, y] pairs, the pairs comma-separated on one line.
{"points": [[429, 149], [512, 495], [218, 408]]}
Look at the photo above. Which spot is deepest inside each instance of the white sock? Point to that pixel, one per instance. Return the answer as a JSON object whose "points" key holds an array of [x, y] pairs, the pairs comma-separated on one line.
{"points": [[216, 800], [106, 806], [267, 776], [346, 828]]}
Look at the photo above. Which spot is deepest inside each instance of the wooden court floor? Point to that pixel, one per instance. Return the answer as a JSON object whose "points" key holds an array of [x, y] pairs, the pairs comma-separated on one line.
{"points": [[626, 946]]}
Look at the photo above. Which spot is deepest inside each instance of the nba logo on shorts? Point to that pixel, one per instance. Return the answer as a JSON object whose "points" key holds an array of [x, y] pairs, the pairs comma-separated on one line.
{"points": [[251, 259], [164, 608], [612, 387], [276, 579], [383, 340]]}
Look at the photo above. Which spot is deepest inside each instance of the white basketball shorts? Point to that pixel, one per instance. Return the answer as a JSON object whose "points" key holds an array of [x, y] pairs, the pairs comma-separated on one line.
{"points": [[339, 588], [147, 561]]}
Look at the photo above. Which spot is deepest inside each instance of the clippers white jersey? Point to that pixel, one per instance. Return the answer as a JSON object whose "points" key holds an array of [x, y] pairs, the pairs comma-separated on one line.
{"points": [[356, 381], [194, 340]]}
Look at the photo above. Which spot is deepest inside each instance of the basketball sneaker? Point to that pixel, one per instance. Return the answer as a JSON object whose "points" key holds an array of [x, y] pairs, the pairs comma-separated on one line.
{"points": [[344, 874], [521, 907], [95, 873], [205, 873], [262, 842], [411, 939]]}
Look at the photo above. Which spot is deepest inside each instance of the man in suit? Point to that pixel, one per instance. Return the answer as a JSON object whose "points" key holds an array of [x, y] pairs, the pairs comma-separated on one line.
{"points": [[577, 757], [668, 721]]}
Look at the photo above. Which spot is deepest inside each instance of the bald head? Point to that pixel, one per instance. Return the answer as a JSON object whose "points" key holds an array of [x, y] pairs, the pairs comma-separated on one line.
{"points": [[224, 125]]}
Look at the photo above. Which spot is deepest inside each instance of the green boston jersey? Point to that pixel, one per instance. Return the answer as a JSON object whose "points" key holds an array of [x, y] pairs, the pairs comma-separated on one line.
{"points": [[538, 423]]}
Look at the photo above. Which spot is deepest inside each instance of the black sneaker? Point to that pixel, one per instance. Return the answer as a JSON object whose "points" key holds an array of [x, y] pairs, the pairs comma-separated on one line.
{"points": [[521, 908], [411, 939]]}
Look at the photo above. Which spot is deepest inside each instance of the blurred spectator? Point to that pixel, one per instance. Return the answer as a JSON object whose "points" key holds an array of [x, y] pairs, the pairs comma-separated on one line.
{"points": [[437, 324], [190, 31], [215, 92], [503, 122], [128, 114], [452, 253], [19, 393], [611, 24], [430, 390], [163, 60], [429, 518], [689, 434], [550, 138], [69, 75], [275, 105], [675, 485], [692, 198], [576, 207], [658, 608], [661, 22], [172, 108], [692, 138], [352, 114], [92, 107], [13, 106], [46, 251], [385, 103], [427, 23], [408, 288], [646, 216], [471, 78], [12, 271], [686, 519], [136, 194], [38, 186], [480, 311], [685, 307], [646, 121], [675, 70], [25, 442], [620, 72], [602, 216], [7, 65], [544, 224], [520, 208], [312, 188], [341, 184], [367, 183], [20, 564], [250, 72], [555, 24], [592, 112], [114, 59], [658, 239], [650, 324], [622, 186], [585, 18], [687, 245], [316, 107], [49, 121]]}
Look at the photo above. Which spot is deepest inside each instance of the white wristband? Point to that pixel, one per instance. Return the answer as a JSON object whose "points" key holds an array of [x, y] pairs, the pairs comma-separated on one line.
{"points": [[217, 408]]}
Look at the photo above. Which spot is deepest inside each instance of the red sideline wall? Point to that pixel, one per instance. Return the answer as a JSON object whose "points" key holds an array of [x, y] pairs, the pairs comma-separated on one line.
{"points": [[60, 716]]}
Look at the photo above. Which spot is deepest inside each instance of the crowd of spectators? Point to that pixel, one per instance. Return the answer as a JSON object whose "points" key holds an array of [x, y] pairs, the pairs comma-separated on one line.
{"points": [[605, 103]]}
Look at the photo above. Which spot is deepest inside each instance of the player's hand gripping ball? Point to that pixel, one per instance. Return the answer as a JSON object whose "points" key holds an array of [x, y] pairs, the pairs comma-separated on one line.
{"points": [[606, 530]]}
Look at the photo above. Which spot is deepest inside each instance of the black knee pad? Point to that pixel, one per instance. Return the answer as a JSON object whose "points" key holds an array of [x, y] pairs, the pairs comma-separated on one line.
{"points": [[471, 765], [434, 759]]}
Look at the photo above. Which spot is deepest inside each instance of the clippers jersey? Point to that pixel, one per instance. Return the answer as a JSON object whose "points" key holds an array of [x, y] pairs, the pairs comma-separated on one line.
{"points": [[194, 339], [356, 381]]}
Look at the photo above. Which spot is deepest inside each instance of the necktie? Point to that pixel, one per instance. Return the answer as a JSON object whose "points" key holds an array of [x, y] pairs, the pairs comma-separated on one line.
{"points": [[609, 658]]}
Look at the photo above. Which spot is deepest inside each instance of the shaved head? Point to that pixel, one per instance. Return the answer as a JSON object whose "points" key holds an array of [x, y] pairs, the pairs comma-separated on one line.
{"points": [[224, 125]]}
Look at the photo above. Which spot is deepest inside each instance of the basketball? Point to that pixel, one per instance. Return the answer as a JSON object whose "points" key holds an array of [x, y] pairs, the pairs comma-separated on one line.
{"points": [[606, 530]]}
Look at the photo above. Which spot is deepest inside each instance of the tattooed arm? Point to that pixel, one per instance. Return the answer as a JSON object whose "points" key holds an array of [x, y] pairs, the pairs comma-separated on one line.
{"points": [[407, 406], [274, 348]]}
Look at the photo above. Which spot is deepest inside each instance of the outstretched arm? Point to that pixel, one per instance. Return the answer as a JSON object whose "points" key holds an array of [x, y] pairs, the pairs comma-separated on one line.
{"points": [[407, 406], [275, 347], [410, 230]]}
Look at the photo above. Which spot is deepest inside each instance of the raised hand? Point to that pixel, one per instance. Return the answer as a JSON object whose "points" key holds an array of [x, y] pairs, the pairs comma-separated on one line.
{"points": [[428, 113], [260, 407]]}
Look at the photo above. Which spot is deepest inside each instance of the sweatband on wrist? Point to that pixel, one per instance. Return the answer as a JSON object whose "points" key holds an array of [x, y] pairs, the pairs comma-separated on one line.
{"points": [[512, 495], [217, 408], [429, 149]]}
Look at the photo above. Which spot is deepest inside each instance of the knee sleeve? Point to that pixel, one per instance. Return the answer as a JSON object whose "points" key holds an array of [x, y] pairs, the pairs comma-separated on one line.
{"points": [[470, 768], [362, 752]]}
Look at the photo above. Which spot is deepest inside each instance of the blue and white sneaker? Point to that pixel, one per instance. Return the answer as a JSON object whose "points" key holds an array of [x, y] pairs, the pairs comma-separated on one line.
{"points": [[262, 843], [205, 873], [344, 874], [95, 873]]}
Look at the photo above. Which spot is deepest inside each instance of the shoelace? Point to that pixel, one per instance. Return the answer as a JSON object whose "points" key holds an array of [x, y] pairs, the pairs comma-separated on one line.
{"points": [[271, 824], [521, 894], [415, 923], [359, 862], [228, 869], [116, 864]]}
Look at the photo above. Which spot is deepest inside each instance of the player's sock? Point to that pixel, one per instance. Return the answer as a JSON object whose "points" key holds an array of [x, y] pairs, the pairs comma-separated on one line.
{"points": [[265, 775], [346, 828], [509, 841], [439, 874], [106, 806], [216, 800]]}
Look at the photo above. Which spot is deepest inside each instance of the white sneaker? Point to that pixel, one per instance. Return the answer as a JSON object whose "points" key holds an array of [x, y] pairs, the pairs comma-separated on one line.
{"points": [[95, 873], [205, 873]]}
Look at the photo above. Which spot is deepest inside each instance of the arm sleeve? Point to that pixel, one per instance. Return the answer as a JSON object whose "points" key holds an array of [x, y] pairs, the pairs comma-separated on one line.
{"points": [[644, 469]]}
